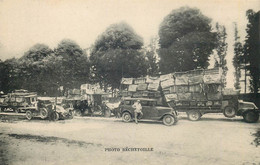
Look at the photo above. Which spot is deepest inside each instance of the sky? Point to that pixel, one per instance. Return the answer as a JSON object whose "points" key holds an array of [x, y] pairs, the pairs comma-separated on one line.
{"points": [[24, 23]]}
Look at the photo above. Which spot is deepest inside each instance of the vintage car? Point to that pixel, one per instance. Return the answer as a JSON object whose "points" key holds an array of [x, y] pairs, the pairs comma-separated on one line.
{"points": [[44, 108], [152, 109]]}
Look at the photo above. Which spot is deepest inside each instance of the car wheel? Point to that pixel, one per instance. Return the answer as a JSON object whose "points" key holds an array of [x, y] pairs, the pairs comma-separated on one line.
{"points": [[169, 120], [229, 112], [56, 116], [44, 113], [194, 115], [126, 117], [251, 116], [71, 114], [28, 114]]}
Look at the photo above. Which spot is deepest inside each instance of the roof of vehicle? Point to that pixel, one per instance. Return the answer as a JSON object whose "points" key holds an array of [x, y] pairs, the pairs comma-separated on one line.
{"points": [[46, 98], [141, 99], [30, 96]]}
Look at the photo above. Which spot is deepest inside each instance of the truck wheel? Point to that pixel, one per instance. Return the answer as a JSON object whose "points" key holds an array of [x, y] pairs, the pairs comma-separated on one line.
{"points": [[126, 117], [194, 115], [251, 116], [229, 112], [169, 120], [28, 114], [43, 113]]}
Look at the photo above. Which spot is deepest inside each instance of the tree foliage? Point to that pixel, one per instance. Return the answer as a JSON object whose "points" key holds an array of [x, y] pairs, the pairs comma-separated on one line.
{"points": [[151, 57], [9, 75], [117, 53], [43, 70], [186, 40], [252, 49], [221, 50], [32, 69], [238, 58], [70, 64]]}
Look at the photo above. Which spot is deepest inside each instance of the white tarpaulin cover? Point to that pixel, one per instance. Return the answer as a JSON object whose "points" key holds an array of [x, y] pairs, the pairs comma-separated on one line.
{"points": [[141, 87], [166, 77], [167, 83], [152, 80], [127, 81], [171, 97], [132, 88], [198, 79], [153, 86], [212, 76], [139, 81], [181, 80]]}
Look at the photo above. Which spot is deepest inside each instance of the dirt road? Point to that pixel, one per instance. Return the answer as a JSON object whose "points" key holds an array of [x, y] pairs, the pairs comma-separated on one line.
{"points": [[85, 140]]}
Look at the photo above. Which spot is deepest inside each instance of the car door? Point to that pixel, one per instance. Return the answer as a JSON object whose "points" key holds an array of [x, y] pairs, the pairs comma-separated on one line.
{"points": [[153, 110], [145, 110]]}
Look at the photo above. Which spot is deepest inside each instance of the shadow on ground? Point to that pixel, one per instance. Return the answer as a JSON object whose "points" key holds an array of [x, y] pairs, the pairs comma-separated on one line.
{"points": [[52, 139]]}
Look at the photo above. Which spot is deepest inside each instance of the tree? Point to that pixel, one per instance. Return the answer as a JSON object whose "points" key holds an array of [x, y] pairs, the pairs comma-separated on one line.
{"points": [[117, 53], [32, 71], [186, 40], [238, 58], [70, 65], [9, 77], [151, 57], [222, 51], [252, 49]]}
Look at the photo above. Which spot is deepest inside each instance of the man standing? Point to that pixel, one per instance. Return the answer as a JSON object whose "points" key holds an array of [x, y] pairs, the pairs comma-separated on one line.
{"points": [[138, 109]]}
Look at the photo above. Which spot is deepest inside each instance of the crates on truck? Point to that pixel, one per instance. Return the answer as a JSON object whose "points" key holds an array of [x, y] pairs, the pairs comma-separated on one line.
{"points": [[195, 92]]}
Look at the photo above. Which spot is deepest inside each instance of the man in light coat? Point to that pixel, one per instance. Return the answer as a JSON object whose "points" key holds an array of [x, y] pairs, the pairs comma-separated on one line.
{"points": [[138, 109]]}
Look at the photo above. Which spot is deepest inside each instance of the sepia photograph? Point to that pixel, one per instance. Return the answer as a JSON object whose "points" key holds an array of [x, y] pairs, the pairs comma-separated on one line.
{"points": [[129, 82]]}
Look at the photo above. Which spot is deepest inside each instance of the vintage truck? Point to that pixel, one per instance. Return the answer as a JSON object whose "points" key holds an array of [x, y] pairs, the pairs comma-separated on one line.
{"points": [[17, 99], [195, 92]]}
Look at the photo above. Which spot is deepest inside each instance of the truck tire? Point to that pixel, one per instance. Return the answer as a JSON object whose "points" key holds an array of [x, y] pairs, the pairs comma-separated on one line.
{"points": [[251, 116], [194, 115], [229, 112], [29, 114]]}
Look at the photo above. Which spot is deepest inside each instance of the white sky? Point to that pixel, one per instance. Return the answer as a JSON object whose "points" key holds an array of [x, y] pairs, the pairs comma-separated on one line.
{"points": [[24, 23]]}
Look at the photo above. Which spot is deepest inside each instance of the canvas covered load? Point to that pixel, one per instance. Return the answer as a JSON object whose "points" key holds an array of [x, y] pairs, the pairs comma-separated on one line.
{"points": [[193, 86], [140, 87], [212, 76]]}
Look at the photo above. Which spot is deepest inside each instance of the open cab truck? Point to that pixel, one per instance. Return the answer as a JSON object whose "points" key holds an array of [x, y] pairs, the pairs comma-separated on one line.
{"points": [[16, 100], [33, 106], [195, 92]]}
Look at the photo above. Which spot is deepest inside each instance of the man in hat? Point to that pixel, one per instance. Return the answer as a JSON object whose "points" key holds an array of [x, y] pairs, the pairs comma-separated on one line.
{"points": [[138, 109]]}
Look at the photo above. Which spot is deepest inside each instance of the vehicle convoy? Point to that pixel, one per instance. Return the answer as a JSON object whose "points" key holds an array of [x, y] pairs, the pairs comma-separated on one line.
{"points": [[195, 92], [152, 109]]}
